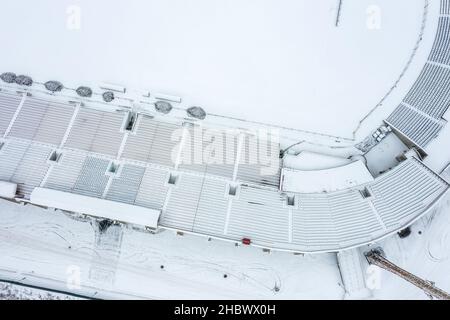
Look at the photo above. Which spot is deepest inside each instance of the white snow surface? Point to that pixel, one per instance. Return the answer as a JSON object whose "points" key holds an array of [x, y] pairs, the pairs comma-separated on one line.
{"points": [[306, 160], [424, 253], [283, 63], [42, 246], [325, 180]]}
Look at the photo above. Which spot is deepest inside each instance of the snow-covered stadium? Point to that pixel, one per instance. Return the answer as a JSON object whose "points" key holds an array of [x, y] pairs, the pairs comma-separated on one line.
{"points": [[148, 160]]}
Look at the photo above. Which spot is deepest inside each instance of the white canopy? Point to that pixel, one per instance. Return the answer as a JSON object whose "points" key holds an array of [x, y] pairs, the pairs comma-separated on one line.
{"points": [[96, 207]]}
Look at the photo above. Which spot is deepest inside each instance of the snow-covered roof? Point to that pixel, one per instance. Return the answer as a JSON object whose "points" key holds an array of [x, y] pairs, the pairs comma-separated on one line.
{"points": [[113, 210], [327, 180]]}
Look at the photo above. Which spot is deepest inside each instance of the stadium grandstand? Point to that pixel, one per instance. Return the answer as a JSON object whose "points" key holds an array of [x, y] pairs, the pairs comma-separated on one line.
{"points": [[419, 118], [122, 161]]}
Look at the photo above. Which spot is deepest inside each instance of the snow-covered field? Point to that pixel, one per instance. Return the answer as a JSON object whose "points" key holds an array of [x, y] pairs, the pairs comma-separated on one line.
{"points": [[424, 253], [50, 249], [283, 63]]}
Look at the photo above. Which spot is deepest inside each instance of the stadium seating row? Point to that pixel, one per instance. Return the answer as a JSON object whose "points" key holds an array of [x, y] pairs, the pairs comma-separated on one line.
{"points": [[420, 117]]}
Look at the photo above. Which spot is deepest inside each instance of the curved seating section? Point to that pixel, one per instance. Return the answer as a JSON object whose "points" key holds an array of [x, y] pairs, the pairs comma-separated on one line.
{"points": [[417, 187], [417, 127], [430, 95], [201, 203], [420, 116], [354, 218], [440, 52], [259, 215]]}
